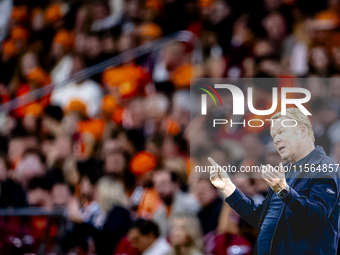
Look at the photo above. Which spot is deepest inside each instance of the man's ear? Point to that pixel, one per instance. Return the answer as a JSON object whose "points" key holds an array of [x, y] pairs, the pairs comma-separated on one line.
{"points": [[304, 131]]}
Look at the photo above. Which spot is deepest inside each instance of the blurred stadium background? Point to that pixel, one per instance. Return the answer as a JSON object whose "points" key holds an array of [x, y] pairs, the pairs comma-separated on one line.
{"points": [[95, 117]]}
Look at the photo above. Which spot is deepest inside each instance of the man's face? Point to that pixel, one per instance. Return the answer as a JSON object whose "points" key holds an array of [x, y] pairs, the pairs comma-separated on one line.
{"points": [[163, 185], [287, 140]]}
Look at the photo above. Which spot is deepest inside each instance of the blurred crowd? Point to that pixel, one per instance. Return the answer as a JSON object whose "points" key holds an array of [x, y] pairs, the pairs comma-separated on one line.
{"points": [[113, 148]]}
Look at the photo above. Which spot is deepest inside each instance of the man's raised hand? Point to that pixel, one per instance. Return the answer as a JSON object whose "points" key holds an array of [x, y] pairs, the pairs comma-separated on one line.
{"points": [[275, 179], [221, 179]]}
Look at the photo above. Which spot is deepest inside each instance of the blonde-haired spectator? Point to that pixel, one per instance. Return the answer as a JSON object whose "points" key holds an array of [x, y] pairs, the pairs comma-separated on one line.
{"points": [[186, 235], [114, 221], [110, 193]]}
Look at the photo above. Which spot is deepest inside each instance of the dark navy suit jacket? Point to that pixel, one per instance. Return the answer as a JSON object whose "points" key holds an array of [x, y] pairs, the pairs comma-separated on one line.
{"points": [[309, 216]]}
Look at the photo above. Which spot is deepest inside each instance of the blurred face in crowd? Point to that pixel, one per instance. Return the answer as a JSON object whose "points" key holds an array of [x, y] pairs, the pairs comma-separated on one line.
{"points": [[15, 149], [132, 9], [70, 172], [169, 149], [7, 124], [288, 141], [86, 187], [99, 11], [80, 42], [319, 58], [125, 42], [114, 163], [70, 123], [78, 64], [272, 5], [39, 197], [28, 62], [108, 44], [219, 11], [178, 234], [137, 110], [37, 22], [60, 194], [139, 241], [206, 192], [164, 186], [111, 145], [57, 51], [93, 47], [216, 68], [275, 26], [80, 18], [156, 107], [30, 166], [62, 147], [30, 123], [173, 56], [48, 124], [262, 48]]}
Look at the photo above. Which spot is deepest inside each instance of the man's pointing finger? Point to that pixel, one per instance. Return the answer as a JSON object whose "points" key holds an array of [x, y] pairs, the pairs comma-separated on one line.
{"points": [[212, 162]]}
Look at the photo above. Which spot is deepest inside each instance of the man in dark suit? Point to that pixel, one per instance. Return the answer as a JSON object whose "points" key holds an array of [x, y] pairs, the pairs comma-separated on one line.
{"points": [[300, 214]]}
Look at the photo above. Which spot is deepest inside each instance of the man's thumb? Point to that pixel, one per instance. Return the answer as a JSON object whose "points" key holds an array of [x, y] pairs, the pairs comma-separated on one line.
{"points": [[281, 167]]}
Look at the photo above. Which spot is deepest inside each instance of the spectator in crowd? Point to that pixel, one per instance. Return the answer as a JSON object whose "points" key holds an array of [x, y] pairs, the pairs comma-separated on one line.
{"points": [[210, 203], [114, 221], [11, 193], [87, 209], [39, 192], [61, 59], [143, 238], [61, 194], [174, 200], [51, 120], [31, 165], [186, 235], [86, 92]]}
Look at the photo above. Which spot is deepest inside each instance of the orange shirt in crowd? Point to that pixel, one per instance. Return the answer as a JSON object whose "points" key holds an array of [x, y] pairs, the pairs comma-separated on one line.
{"points": [[39, 78], [149, 204]]}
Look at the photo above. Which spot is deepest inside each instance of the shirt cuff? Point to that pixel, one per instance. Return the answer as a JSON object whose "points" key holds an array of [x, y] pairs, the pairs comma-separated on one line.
{"points": [[236, 196]]}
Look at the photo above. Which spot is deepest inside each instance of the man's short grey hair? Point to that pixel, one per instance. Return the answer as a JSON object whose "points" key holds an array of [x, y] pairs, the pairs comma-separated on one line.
{"points": [[297, 115]]}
